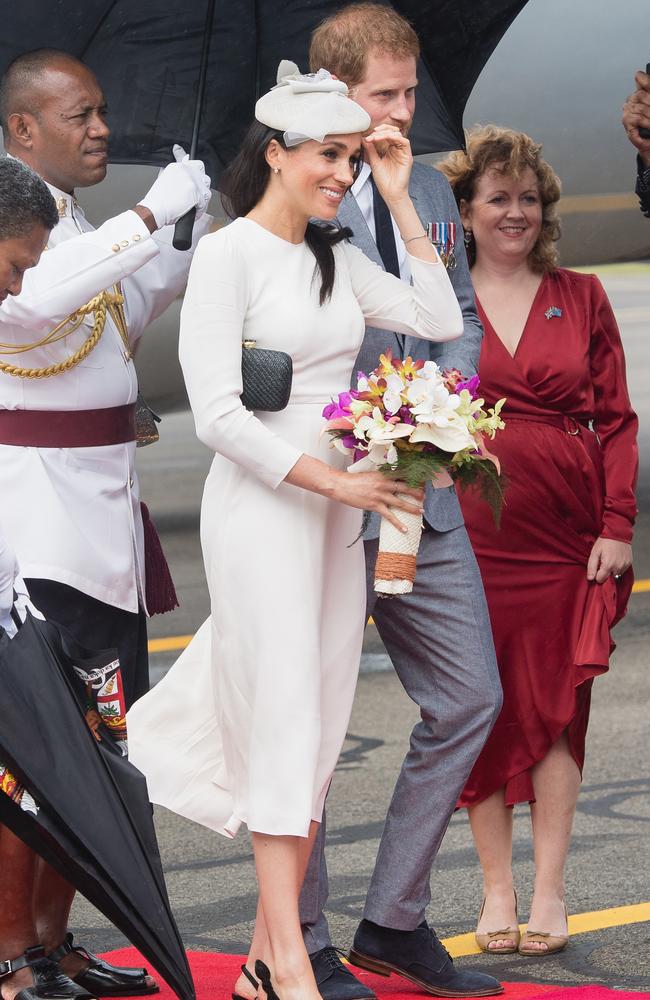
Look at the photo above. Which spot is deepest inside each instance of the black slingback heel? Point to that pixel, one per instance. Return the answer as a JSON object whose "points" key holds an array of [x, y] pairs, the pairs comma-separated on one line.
{"points": [[251, 979], [264, 975]]}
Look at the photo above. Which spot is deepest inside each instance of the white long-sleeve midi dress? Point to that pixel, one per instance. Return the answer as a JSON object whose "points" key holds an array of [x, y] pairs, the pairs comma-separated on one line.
{"points": [[248, 724]]}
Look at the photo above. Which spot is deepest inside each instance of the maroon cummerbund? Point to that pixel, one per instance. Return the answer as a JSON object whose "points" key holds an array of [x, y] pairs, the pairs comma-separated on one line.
{"points": [[68, 428]]}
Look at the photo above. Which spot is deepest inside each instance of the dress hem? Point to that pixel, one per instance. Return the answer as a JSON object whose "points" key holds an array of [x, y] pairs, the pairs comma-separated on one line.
{"points": [[606, 605]]}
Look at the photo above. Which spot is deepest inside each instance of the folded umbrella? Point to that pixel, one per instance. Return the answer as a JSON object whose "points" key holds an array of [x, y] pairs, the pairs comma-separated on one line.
{"points": [[77, 801]]}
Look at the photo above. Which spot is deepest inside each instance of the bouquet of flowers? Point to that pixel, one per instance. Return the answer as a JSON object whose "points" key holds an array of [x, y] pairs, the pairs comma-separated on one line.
{"points": [[414, 421]]}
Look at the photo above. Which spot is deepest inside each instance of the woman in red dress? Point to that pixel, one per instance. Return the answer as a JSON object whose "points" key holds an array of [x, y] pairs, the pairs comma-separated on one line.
{"points": [[557, 573]]}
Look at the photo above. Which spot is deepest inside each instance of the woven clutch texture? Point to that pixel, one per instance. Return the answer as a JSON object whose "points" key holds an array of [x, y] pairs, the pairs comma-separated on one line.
{"points": [[266, 378]]}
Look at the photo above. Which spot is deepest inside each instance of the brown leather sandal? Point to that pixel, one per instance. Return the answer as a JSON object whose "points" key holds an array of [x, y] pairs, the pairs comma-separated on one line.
{"points": [[484, 938], [553, 942]]}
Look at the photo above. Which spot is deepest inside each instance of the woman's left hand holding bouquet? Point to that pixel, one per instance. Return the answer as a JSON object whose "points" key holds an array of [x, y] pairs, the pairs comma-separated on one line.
{"points": [[365, 490]]}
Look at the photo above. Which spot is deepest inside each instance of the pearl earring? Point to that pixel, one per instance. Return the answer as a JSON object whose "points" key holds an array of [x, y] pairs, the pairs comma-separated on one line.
{"points": [[276, 170]]}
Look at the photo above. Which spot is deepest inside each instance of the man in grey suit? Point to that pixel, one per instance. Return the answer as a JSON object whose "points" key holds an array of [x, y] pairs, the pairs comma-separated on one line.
{"points": [[438, 637]]}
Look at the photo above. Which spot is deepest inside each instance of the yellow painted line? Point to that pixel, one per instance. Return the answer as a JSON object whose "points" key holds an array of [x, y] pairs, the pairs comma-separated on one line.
{"points": [[634, 267], [175, 643], [170, 644], [463, 945], [573, 204]]}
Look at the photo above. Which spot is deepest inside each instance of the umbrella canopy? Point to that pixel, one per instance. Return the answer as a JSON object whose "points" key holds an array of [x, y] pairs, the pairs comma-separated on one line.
{"points": [[147, 57], [86, 810]]}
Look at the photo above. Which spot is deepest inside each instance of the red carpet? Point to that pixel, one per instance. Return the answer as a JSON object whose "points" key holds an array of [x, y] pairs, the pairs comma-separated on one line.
{"points": [[214, 975]]}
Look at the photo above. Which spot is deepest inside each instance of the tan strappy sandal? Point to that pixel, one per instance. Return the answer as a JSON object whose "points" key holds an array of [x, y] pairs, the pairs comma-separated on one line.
{"points": [[553, 942], [484, 939]]}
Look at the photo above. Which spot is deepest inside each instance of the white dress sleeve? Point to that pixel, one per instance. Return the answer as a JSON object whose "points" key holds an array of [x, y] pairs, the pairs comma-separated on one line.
{"points": [[212, 327], [74, 271], [427, 309]]}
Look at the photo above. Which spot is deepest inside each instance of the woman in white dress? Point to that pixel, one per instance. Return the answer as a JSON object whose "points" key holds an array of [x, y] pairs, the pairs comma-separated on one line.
{"points": [[248, 725]]}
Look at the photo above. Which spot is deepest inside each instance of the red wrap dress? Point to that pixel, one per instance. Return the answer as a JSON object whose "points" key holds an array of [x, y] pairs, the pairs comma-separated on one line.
{"points": [[570, 457]]}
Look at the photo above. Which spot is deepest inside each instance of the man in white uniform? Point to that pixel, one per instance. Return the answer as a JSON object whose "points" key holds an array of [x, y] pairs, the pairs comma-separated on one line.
{"points": [[69, 498], [27, 215]]}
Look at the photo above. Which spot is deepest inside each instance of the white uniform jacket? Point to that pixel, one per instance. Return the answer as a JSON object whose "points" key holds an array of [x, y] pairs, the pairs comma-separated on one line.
{"points": [[73, 514]]}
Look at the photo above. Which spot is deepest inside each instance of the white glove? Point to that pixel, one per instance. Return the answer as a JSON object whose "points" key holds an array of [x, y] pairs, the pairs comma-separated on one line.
{"points": [[178, 188], [8, 571]]}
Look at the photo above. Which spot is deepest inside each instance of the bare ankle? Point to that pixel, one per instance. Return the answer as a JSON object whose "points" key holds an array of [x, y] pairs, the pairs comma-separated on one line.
{"points": [[502, 889], [292, 970], [549, 891]]}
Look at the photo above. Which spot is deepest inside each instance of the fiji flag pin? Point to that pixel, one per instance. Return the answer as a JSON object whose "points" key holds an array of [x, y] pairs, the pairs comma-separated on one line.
{"points": [[553, 311]]}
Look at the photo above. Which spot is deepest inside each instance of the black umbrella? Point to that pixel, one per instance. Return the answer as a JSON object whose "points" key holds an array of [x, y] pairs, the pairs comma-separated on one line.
{"points": [[86, 810], [148, 57]]}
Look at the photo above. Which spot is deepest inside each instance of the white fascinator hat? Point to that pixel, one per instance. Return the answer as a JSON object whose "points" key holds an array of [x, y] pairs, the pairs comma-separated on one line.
{"points": [[309, 106]]}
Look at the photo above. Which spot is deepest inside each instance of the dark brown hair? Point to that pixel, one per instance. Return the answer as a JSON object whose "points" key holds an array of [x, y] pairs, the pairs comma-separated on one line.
{"points": [[243, 184]]}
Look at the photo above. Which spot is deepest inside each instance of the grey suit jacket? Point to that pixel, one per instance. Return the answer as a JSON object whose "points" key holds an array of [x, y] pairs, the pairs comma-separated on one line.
{"points": [[434, 202]]}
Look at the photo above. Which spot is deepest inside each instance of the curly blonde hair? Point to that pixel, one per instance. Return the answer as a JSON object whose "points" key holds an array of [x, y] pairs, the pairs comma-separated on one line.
{"points": [[509, 153]]}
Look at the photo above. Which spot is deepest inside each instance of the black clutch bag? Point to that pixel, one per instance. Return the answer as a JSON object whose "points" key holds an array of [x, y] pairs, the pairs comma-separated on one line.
{"points": [[266, 377]]}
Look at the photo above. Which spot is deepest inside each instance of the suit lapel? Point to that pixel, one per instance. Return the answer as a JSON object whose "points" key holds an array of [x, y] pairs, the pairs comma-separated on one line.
{"points": [[351, 215]]}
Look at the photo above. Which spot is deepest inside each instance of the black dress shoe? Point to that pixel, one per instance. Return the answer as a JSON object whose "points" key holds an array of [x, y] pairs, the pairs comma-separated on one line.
{"points": [[334, 980], [49, 982], [103, 979], [419, 957]]}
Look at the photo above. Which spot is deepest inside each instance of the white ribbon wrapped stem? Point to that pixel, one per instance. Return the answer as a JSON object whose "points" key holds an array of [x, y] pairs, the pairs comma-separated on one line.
{"points": [[396, 558]]}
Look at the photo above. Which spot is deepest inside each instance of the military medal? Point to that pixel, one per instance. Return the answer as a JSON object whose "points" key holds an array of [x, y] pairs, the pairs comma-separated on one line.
{"points": [[443, 237]]}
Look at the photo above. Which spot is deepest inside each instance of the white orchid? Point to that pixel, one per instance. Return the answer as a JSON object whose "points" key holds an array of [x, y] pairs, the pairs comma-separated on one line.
{"points": [[392, 397], [378, 455], [430, 398], [375, 429], [430, 370], [446, 429]]}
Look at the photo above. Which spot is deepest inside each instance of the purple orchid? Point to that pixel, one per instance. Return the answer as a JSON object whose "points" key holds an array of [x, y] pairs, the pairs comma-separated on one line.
{"points": [[471, 384], [340, 408], [405, 415]]}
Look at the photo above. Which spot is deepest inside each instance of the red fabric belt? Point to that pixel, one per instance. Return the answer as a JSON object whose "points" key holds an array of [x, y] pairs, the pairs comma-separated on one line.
{"points": [[68, 428], [569, 424]]}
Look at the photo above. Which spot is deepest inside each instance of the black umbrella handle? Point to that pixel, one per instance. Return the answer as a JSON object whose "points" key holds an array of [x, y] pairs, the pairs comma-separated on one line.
{"points": [[183, 228], [183, 231]]}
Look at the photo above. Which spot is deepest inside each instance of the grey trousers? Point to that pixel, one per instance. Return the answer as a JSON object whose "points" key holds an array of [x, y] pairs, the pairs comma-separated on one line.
{"points": [[440, 643]]}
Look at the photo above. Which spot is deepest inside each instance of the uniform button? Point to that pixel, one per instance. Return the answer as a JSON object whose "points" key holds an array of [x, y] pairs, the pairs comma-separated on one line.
{"points": [[115, 248], [137, 237], [124, 243]]}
